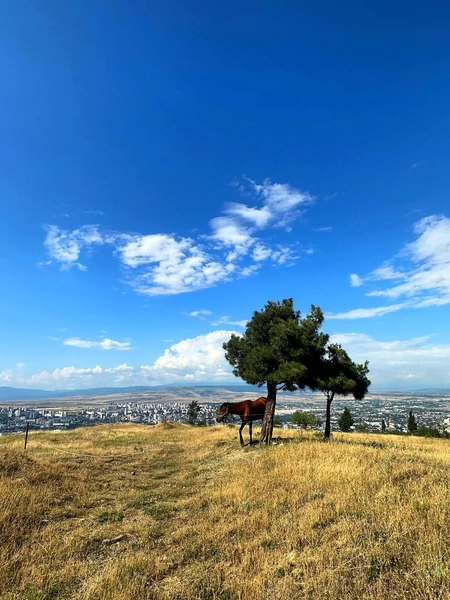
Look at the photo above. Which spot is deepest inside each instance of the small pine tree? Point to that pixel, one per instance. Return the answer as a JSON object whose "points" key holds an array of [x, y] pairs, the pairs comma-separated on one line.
{"points": [[383, 426], [346, 420], [193, 410], [412, 423]]}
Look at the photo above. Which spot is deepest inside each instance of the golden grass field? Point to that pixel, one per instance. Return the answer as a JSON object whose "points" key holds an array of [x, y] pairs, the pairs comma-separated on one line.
{"points": [[129, 512]]}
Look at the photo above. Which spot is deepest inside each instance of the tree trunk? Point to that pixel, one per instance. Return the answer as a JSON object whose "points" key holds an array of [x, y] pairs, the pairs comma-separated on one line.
{"points": [[328, 418], [267, 426]]}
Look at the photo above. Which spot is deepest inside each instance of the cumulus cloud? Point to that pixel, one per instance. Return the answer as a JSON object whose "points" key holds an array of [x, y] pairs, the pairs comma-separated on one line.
{"points": [[172, 267], [196, 360], [419, 274], [395, 363], [157, 248], [165, 264], [104, 344]]}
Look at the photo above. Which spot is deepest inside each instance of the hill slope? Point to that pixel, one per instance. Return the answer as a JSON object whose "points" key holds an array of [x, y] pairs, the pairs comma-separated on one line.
{"points": [[128, 512], [14, 394]]}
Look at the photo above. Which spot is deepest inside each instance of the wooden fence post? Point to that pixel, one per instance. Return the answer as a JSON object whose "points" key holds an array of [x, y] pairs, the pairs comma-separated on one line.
{"points": [[26, 436]]}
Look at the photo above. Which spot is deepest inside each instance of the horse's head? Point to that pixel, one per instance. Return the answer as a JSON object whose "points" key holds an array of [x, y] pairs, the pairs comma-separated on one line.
{"points": [[222, 413]]}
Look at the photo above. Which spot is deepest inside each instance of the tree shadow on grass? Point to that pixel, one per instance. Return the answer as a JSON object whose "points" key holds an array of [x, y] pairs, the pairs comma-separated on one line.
{"points": [[280, 441]]}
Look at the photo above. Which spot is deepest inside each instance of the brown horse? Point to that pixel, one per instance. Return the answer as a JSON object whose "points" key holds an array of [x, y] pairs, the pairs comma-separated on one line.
{"points": [[248, 410]]}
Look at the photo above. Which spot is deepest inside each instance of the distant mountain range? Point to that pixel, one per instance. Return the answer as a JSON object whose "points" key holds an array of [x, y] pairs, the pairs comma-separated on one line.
{"points": [[12, 393]]}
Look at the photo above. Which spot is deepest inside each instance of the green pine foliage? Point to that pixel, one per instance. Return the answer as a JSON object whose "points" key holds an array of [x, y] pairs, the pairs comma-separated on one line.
{"points": [[278, 348], [193, 410], [346, 421], [412, 423]]}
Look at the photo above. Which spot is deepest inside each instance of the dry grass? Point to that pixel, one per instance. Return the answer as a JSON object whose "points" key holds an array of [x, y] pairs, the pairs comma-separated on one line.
{"points": [[171, 512]]}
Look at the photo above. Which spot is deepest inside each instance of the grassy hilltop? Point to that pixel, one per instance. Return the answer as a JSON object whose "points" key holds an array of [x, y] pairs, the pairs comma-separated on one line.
{"points": [[129, 512]]}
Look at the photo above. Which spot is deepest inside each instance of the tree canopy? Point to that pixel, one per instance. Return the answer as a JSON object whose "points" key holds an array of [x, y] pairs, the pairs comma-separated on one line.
{"points": [[338, 375], [287, 352], [304, 419], [277, 348]]}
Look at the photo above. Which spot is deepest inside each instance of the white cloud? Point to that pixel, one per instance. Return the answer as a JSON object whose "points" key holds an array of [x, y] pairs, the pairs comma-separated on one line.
{"points": [[366, 313], [395, 363], [201, 314], [172, 267], [259, 217], [422, 267], [166, 264], [226, 320], [281, 198], [65, 247], [261, 252], [105, 344], [64, 376], [232, 234], [157, 248], [355, 280], [196, 360], [248, 271]]}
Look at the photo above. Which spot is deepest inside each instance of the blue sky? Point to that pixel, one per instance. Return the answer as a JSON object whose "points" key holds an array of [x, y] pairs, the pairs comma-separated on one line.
{"points": [[169, 167]]}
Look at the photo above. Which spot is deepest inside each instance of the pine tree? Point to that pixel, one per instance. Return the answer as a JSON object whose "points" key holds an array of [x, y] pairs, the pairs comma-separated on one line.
{"points": [[346, 420], [279, 349], [193, 410], [412, 423], [337, 374]]}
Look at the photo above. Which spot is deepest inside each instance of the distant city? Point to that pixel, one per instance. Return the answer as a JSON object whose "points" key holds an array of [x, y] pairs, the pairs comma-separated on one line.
{"points": [[171, 404]]}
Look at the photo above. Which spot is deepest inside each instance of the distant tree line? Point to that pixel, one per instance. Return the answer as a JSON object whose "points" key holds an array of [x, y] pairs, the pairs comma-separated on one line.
{"points": [[346, 422]]}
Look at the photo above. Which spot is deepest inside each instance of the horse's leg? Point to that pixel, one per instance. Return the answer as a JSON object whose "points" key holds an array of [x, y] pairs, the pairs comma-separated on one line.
{"points": [[250, 427], [240, 433]]}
